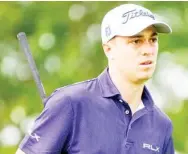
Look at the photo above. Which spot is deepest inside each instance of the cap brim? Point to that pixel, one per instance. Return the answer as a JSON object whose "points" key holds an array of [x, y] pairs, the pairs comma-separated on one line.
{"points": [[140, 25], [162, 27]]}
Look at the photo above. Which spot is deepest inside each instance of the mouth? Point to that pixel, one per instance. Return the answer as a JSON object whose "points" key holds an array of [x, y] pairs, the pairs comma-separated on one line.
{"points": [[148, 62]]}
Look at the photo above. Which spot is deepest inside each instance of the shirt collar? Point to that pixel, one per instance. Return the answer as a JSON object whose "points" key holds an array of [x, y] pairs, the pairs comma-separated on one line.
{"points": [[108, 89], [141, 106]]}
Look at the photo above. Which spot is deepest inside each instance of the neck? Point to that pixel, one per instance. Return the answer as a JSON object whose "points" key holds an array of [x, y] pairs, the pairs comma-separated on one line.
{"points": [[131, 92]]}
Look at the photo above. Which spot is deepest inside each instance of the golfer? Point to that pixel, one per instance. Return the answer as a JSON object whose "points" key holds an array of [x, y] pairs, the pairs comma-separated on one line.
{"points": [[113, 113]]}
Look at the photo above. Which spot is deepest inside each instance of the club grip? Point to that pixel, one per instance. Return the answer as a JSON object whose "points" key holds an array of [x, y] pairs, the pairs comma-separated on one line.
{"points": [[25, 47]]}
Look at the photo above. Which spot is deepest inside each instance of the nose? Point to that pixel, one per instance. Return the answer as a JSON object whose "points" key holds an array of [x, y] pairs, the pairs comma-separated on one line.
{"points": [[148, 49]]}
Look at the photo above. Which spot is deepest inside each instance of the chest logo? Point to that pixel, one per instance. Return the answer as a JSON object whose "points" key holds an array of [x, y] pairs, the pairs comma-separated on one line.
{"points": [[151, 147]]}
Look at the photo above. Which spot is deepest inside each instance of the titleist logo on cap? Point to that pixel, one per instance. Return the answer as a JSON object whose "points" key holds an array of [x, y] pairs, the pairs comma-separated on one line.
{"points": [[107, 31], [134, 14]]}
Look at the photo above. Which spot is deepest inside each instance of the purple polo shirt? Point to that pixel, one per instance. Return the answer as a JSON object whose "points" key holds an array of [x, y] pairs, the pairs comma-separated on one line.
{"points": [[90, 117]]}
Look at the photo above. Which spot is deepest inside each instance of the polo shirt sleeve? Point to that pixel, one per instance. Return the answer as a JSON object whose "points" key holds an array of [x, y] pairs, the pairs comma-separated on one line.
{"points": [[52, 129], [169, 146]]}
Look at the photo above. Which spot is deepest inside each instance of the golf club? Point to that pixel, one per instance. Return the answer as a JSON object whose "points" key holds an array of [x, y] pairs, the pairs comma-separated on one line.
{"points": [[25, 47]]}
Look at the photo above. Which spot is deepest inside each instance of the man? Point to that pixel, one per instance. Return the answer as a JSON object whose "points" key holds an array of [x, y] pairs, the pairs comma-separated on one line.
{"points": [[113, 113]]}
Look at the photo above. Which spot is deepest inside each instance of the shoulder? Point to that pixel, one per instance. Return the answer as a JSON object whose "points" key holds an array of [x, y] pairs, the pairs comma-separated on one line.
{"points": [[163, 118], [68, 93]]}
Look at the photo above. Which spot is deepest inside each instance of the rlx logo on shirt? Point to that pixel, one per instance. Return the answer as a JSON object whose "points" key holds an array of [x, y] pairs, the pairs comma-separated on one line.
{"points": [[151, 147]]}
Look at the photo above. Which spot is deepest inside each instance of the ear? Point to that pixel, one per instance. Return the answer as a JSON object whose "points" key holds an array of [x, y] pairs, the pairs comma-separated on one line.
{"points": [[107, 49]]}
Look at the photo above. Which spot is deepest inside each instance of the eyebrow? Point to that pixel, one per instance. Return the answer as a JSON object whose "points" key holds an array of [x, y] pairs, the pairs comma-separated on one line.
{"points": [[140, 35]]}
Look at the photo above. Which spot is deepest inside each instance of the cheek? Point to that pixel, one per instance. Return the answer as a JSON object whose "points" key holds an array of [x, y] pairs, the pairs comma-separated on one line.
{"points": [[155, 50], [122, 54], [126, 57]]}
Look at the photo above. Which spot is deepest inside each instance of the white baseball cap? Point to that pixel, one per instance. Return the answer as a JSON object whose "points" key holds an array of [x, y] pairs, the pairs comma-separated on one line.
{"points": [[128, 20]]}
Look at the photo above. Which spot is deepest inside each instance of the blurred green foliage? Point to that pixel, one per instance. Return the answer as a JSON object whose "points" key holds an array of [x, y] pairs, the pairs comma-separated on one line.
{"points": [[77, 56]]}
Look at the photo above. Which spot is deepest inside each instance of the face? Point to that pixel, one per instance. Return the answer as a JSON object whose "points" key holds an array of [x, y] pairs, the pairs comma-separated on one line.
{"points": [[134, 57]]}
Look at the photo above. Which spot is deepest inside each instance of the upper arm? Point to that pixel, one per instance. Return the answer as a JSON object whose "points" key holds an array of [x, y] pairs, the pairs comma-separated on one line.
{"points": [[168, 144], [52, 128], [169, 149]]}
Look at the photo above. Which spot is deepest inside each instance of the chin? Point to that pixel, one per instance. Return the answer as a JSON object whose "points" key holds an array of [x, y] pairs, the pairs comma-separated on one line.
{"points": [[144, 77], [144, 74]]}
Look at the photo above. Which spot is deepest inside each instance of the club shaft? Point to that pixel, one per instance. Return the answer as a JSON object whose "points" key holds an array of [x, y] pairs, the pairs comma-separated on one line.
{"points": [[25, 47]]}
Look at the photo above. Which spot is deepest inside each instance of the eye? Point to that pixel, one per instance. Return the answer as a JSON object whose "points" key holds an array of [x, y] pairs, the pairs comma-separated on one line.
{"points": [[137, 41], [153, 40]]}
